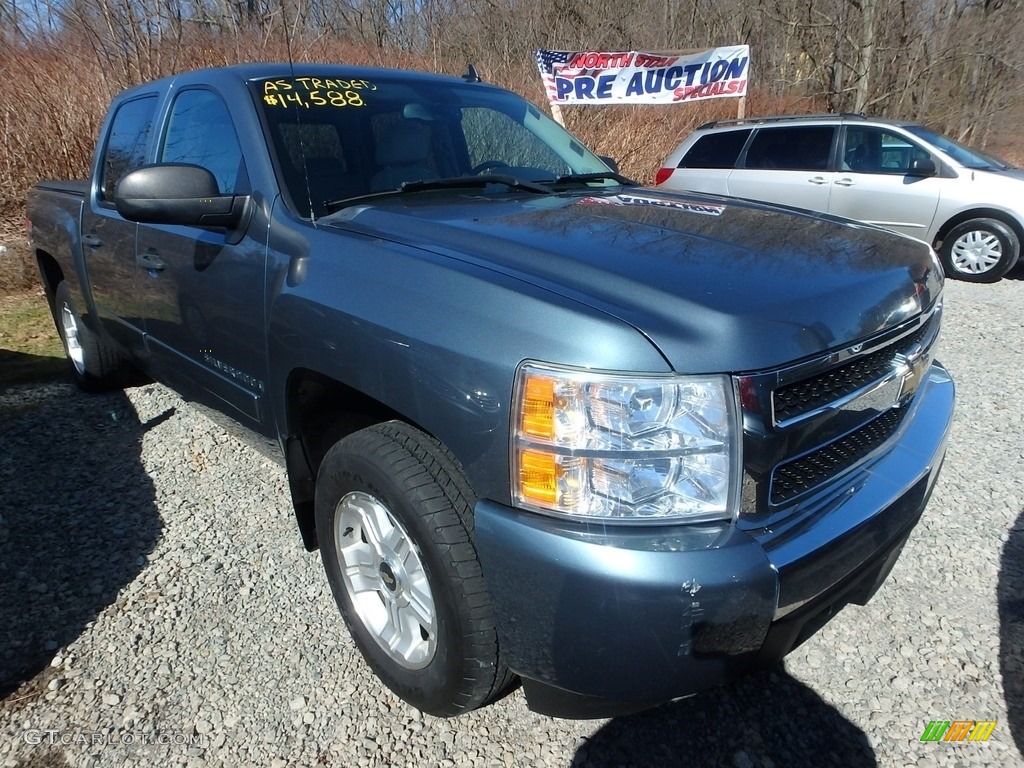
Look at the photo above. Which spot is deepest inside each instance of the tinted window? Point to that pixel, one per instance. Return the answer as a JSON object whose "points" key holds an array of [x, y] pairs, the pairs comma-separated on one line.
{"points": [[126, 144], [791, 148], [200, 133], [310, 142], [716, 150], [496, 141], [876, 150], [318, 166]]}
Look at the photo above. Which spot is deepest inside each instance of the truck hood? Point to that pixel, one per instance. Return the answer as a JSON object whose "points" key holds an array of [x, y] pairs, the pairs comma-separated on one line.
{"points": [[718, 285]]}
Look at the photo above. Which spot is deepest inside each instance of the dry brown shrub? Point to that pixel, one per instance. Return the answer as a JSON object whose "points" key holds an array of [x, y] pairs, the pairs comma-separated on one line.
{"points": [[50, 111], [54, 95], [1009, 148]]}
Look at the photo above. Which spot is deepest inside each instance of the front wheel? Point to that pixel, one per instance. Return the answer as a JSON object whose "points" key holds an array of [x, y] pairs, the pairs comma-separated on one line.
{"points": [[395, 526], [96, 365], [979, 250]]}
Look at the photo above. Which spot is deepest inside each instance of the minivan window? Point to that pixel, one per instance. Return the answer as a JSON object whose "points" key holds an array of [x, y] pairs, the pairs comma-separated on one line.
{"points": [[876, 150], [967, 157], [791, 148], [716, 150]]}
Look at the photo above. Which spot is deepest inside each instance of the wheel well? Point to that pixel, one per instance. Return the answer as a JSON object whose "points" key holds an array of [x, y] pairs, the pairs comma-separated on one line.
{"points": [[321, 411], [980, 213]]}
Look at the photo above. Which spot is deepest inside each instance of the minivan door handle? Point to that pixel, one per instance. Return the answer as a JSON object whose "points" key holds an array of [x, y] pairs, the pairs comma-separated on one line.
{"points": [[845, 182], [818, 180]]}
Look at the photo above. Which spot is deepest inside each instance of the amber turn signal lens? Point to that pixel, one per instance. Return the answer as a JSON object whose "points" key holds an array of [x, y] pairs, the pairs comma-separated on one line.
{"points": [[538, 419], [538, 477]]}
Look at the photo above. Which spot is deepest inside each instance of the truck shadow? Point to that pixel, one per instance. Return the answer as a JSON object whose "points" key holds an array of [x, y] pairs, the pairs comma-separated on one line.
{"points": [[20, 367], [770, 719], [77, 519], [1010, 596]]}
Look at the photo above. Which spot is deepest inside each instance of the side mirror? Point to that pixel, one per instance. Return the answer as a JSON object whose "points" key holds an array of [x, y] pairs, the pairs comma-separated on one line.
{"points": [[177, 194], [922, 167], [610, 162]]}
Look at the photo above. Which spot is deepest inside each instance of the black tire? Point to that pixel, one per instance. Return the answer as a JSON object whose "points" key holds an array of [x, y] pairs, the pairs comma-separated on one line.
{"points": [[96, 364], [979, 251], [391, 474]]}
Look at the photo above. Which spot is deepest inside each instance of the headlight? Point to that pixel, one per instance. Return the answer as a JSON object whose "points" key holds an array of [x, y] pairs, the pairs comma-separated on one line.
{"points": [[621, 447]]}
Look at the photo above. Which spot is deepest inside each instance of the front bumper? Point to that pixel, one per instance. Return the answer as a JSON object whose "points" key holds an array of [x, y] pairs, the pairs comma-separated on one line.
{"points": [[592, 613]]}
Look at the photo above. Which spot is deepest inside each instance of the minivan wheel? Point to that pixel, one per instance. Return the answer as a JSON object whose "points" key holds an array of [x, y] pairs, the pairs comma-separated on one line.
{"points": [[979, 250], [394, 521]]}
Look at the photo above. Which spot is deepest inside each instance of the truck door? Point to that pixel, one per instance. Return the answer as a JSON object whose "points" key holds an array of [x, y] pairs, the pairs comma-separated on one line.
{"points": [[108, 241], [203, 288]]}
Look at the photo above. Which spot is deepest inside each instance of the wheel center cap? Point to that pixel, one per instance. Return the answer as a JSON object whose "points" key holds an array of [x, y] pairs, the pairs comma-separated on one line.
{"points": [[387, 576]]}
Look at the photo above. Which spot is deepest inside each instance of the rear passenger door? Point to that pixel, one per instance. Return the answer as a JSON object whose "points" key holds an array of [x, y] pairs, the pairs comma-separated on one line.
{"points": [[108, 240], [873, 183], [787, 164]]}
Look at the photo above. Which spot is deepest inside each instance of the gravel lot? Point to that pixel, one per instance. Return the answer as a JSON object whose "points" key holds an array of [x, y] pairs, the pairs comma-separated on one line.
{"points": [[155, 594]]}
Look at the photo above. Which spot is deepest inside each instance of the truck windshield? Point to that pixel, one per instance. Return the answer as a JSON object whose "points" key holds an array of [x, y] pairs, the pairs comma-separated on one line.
{"points": [[336, 138]]}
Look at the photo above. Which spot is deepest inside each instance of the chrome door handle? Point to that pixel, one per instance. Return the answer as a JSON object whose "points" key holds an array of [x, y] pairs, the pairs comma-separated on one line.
{"points": [[150, 261], [845, 182]]}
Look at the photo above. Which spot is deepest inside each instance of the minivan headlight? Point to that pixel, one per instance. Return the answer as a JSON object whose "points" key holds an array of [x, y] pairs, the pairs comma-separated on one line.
{"points": [[624, 447]]}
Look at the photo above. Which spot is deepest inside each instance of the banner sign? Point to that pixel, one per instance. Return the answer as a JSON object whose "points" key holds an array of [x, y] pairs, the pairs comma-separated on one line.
{"points": [[634, 77]]}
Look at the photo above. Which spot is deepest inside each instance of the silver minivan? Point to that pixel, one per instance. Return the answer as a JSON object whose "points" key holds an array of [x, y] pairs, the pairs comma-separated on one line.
{"points": [[967, 204]]}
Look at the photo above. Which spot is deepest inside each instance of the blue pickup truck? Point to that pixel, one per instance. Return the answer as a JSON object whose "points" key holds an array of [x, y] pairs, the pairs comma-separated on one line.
{"points": [[543, 425]]}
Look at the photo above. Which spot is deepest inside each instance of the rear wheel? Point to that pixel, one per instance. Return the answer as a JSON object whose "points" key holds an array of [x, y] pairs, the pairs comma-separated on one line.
{"points": [[395, 526], [96, 365], [979, 250]]}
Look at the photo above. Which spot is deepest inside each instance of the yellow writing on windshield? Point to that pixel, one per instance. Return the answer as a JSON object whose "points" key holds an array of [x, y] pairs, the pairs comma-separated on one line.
{"points": [[308, 92]]}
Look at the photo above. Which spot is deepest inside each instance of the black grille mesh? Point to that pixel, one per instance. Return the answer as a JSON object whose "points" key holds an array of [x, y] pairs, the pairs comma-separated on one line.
{"points": [[802, 397], [792, 479]]}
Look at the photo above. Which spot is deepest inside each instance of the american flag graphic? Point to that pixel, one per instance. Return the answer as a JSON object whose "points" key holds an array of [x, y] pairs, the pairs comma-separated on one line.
{"points": [[551, 62]]}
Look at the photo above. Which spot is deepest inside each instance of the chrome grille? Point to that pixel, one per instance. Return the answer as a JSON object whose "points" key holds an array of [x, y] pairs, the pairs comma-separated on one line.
{"points": [[810, 423], [804, 397], [796, 477]]}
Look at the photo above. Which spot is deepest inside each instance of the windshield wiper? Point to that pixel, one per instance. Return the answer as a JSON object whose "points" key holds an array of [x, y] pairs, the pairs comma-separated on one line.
{"points": [[586, 178], [333, 206], [455, 182], [452, 182]]}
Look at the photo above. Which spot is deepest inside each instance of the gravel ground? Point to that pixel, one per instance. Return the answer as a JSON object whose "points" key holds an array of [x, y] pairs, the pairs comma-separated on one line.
{"points": [[155, 594]]}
